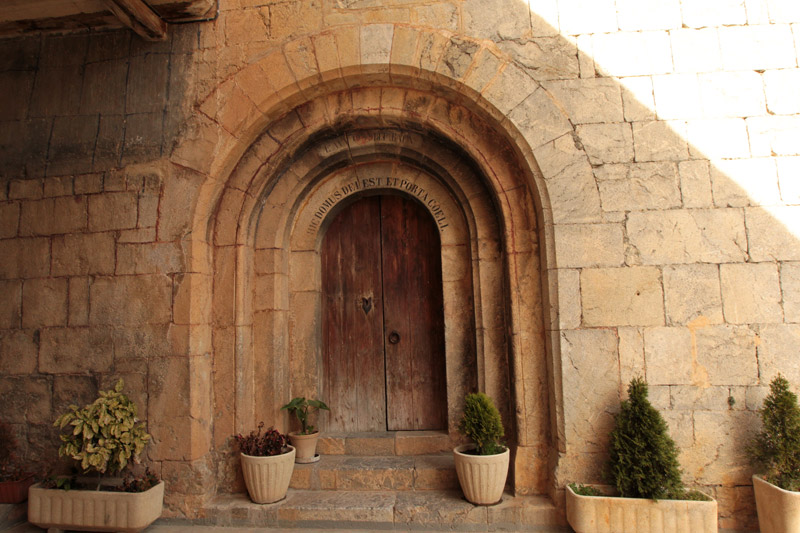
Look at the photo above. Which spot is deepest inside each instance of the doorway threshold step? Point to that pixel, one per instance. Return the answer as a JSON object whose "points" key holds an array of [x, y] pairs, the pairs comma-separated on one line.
{"points": [[385, 443], [388, 510], [376, 473]]}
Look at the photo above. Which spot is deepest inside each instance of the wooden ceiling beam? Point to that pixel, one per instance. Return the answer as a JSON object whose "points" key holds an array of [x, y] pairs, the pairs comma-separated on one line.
{"points": [[138, 16]]}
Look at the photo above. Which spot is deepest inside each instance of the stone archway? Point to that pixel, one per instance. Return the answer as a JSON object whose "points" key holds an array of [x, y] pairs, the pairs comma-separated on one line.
{"points": [[489, 256]]}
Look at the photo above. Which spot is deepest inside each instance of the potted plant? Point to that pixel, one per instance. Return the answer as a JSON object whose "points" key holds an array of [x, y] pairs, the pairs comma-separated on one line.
{"points": [[14, 480], [305, 441], [644, 470], [777, 449], [104, 438], [267, 464], [482, 467]]}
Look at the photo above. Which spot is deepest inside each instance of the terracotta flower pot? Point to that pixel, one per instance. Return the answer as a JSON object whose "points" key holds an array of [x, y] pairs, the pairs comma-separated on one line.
{"points": [[267, 478], [482, 477], [15, 491], [306, 446], [94, 510], [778, 509], [603, 514]]}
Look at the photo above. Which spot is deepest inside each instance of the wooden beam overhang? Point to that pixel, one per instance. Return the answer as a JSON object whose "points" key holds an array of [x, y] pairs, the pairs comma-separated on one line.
{"points": [[138, 16]]}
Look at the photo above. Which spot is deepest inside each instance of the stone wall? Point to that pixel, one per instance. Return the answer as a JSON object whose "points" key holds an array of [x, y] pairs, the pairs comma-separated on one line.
{"points": [[660, 146]]}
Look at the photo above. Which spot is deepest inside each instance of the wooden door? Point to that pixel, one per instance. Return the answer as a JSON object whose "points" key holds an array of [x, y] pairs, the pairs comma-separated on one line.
{"points": [[383, 322]]}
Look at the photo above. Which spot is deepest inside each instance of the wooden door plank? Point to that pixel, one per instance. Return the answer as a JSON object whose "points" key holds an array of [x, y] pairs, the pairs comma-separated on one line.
{"points": [[416, 387], [352, 332]]}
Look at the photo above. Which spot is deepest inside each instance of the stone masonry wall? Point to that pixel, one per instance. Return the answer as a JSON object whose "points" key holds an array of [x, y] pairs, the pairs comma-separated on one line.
{"points": [[672, 209]]}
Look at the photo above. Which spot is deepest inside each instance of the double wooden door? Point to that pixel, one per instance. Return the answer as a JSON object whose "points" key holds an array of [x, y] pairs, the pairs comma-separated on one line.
{"points": [[382, 318]]}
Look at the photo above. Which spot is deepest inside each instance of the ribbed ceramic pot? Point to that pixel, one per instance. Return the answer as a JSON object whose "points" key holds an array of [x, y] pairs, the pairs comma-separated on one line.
{"points": [[267, 478], [482, 477], [306, 446], [778, 509]]}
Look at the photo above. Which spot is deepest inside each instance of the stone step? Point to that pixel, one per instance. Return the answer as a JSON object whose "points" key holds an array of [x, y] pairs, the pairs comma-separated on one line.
{"points": [[388, 510], [385, 443], [374, 473]]}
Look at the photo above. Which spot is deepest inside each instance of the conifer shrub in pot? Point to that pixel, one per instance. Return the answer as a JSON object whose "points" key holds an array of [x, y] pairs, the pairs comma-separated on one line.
{"points": [[105, 439], [14, 478], [482, 467], [643, 468], [267, 463], [305, 440], [776, 449]]}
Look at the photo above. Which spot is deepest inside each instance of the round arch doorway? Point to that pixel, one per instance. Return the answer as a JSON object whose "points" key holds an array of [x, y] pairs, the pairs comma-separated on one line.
{"points": [[382, 317]]}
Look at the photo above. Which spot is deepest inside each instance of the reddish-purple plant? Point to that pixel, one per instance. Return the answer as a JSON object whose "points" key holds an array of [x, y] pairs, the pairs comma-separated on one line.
{"points": [[258, 444]]}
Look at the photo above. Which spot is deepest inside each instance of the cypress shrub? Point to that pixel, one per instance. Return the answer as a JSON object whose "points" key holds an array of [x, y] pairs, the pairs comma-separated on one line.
{"points": [[777, 446], [644, 459], [482, 424]]}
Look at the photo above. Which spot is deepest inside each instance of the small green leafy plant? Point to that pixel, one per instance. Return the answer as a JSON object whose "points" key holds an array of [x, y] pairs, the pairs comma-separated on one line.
{"points": [[777, 447], [105, 435], [302, 408], [258, 444], [644, 459], [481, 423], [584, 490]]}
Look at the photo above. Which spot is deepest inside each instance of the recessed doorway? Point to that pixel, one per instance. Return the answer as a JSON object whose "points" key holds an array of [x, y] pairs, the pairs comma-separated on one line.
{"points": [[382, 317]]}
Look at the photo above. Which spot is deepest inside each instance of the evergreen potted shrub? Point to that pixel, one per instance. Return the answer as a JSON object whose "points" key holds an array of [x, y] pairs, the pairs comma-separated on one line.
{"points": [[305, 441], [267, 464], [644, 469], [482, 466], [776, 449], [14, 480], [104, 438]]}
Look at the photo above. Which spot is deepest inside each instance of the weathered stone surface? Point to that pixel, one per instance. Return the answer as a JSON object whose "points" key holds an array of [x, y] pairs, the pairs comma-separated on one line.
{"points": [[689, 236], [596, 100], [131, 300], [773, 134], [19, 349], [589, 245], [732, 94], [727, 354], [633, 53], [27, 400], [751, 293], [590, 370], [508, 20], [44, 302], [150, 258], [685, 44], [660, 140], [760, 47], [606, 143], [668, 355], [771, 234], [790, 289], [639, 186], [777, 352], [631, 355], [83, 253], [53, 215], [781, 100], [722, 138], [112, 211], [689, 397], [546, 58], [24, 258], [629, 296], [10, 304], [695, 183], [75, 350], [713, 456], [692, 292]]}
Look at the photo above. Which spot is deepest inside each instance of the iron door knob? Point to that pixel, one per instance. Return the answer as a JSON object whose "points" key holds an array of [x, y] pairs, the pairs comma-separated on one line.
{"points": [[394, 337]]}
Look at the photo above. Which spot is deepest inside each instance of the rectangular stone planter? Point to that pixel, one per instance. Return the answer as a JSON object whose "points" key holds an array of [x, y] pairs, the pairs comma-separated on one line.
{"points": [[90, 510], [607, 514], [778, 509]]}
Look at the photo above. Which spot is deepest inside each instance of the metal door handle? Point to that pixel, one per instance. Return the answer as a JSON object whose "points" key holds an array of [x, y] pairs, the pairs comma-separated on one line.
{"points": [[394, 337]]}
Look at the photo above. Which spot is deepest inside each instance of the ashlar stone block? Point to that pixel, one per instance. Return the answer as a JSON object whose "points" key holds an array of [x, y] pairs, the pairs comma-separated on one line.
{"points": [[777, 352], [590, 370], [772, 233], [660, 140], [790, 289], [83, 253], [607, 143], [589, 245], [685, 46], [692, 292], [728, 354], [594, 100], [688, 236], [759, 47], [781, 99], [639, 186], [695, 183], [629, 296], [75, 350], [668, 355], [133, 300], [633, 53], [44, 302], [751, 293], [20, 349]]}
